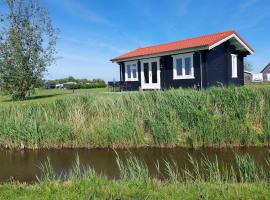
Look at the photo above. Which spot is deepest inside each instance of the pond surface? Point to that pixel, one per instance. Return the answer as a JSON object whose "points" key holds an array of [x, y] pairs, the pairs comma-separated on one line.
{"points": [[24, 165]]}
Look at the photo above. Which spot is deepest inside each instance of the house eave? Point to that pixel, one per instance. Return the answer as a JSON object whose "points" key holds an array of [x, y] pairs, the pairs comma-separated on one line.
{"points": [[165, 53]]}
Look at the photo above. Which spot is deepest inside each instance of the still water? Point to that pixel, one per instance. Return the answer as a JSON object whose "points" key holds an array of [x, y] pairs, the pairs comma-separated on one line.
{"points": [[24, 165]]}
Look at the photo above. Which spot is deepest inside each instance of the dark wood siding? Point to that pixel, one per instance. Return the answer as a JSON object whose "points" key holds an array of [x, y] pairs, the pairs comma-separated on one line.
{"points": [[240, 67], [216, 70], [131, 85], [167, 80], [265, 72], [216, 62]]}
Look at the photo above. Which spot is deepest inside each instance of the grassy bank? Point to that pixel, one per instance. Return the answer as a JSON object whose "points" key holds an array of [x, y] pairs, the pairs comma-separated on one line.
{"points": [[232, 116], [213, 181], [104, 189], [43, 96]]}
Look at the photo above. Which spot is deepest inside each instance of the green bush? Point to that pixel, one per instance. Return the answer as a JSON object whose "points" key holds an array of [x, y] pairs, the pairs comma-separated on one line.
{"points": [[89, 85]]}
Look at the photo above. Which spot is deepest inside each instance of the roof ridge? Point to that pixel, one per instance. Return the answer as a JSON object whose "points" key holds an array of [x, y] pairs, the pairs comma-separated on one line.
{"points": [[206, 35], [202, 41]]}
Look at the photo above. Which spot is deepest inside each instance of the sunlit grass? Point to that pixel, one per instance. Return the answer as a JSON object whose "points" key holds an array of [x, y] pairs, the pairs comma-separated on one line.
{"points": [[42, 96], [230, 116]]}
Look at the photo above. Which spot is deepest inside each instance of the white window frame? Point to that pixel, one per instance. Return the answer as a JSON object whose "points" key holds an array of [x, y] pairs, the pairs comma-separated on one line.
{"points": [[183, 57], [234, 66], [131, 63]]}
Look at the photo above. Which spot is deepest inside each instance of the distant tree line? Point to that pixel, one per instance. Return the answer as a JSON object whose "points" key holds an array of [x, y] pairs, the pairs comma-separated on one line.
{"points": [[73, 83]]}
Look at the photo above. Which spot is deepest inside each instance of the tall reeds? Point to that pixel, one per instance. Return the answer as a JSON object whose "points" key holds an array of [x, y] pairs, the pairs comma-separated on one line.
{"points": [[231, 116], [203, 170]]}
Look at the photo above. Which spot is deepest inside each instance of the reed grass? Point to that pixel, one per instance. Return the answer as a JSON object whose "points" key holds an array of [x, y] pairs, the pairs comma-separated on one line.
{"points": [[230, 116], [132, 168], [204, 170], [204, 179], [77, 172]]}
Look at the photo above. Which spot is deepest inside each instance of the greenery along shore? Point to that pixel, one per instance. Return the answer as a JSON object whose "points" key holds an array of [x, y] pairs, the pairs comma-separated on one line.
{"points": [[204, 179], [231, 116]]}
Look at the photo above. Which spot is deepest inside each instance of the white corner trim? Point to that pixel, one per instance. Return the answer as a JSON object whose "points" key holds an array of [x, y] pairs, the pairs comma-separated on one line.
{"points": [[229, 37]]}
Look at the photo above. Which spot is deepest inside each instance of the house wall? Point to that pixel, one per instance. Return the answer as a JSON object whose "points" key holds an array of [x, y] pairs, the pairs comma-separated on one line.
{"points": [[240, 80], [130, 85], [265, 72], [167, 80], [218, 66], [216, 70]]}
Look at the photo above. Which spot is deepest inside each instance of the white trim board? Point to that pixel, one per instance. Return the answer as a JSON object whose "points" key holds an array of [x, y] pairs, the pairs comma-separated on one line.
{"points": [[228, 38]]}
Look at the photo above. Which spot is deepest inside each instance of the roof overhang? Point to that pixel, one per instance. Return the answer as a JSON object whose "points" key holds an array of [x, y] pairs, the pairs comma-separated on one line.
{"points": [[165, 53], [236, 41]]}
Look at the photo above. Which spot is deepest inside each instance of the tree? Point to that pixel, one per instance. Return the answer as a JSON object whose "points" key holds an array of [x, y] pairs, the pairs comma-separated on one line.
{"points": [[27, 46], [248, 66]]}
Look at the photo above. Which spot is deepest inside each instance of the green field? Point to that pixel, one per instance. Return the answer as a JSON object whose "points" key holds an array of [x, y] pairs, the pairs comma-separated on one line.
{"points": [[42, 96], [96, 118]]}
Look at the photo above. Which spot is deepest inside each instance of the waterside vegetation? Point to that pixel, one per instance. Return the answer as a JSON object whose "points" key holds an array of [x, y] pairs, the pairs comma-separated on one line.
{"points": [[204, 179], [231, 116]]}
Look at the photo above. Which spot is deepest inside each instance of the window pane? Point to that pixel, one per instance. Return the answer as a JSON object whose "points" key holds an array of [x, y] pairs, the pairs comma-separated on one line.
{"points": [[134, 71], [188, 66], [154, 72], [179, 67], [146, 72], [129, 71]]}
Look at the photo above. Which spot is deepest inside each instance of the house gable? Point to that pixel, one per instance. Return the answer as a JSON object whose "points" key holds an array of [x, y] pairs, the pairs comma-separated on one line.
{"points": [[266, 69]]}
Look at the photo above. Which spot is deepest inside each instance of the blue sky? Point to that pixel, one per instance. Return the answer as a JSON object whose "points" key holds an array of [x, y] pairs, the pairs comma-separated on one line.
{"points": [[94, 31]]}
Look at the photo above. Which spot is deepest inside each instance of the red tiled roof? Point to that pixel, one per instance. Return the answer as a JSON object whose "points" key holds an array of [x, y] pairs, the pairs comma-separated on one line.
{"points": [[202, 41]]}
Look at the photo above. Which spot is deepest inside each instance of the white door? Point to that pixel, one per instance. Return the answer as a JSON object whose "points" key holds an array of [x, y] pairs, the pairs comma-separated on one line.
{"points": [[150, 74]]}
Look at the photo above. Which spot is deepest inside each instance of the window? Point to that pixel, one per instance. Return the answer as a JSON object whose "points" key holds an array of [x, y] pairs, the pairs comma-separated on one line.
{"points": [[131, 70], [234, 66], [183, 66]]}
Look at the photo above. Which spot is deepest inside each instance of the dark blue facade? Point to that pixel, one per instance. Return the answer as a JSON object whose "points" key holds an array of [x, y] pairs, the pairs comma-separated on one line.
{"points": [[211, 68]]}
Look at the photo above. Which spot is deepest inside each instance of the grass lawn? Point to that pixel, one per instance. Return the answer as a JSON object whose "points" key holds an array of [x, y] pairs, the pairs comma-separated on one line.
{"points": [[104, 189], [258, 85], [44, 96]]}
